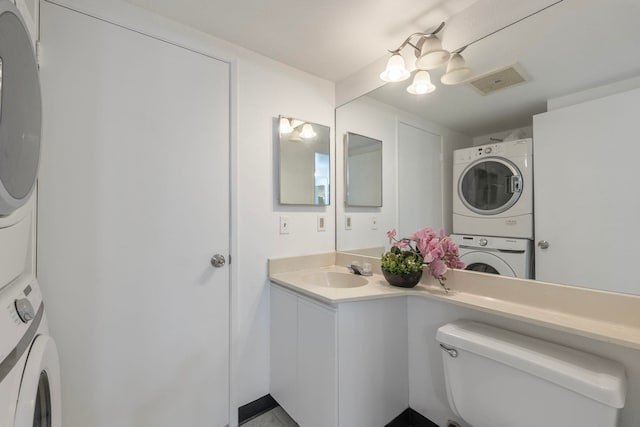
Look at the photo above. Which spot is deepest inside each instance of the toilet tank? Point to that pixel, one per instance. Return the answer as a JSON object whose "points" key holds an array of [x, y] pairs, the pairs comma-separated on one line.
{"points": [[497, 378]]}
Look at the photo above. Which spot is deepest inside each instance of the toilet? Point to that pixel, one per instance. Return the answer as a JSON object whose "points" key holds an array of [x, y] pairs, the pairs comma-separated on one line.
{"points": [[498, 378]]}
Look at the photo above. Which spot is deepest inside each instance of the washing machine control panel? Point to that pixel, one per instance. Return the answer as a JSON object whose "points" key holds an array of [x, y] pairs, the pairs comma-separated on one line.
{"points": [[19, 302], [25, 310]]}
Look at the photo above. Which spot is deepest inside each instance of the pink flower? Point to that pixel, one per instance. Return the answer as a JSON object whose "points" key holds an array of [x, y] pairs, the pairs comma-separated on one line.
{"points": [[391, 234], [402, 243], [437, 268]]}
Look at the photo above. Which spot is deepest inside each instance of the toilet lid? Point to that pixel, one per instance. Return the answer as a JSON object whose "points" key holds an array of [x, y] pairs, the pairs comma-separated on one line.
{"points": [[20, 111]]}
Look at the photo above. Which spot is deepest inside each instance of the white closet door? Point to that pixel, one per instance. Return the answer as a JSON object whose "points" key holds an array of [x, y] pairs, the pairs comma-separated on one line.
{"points": [[420, 180], [134, 201], [586, 196]]}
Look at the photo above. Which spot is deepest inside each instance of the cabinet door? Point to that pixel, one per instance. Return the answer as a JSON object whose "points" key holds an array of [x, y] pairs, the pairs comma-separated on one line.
{"points": [[586, 203], [284, 344], [317, 366]]}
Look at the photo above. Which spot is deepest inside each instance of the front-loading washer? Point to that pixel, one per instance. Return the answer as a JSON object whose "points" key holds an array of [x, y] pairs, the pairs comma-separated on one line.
{"points": [[506, 256], [29, 366], [493, 189]]}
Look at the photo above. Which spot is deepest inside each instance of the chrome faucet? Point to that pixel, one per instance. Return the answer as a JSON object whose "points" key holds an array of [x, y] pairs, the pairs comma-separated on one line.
{"points": [[358, 270]]}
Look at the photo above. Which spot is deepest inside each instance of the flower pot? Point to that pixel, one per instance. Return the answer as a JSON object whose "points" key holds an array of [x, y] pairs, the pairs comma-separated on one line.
{"points": [[408, 280]]}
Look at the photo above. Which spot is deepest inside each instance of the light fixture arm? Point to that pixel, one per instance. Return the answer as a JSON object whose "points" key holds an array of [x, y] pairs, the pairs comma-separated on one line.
{"points": [[423, 37]]}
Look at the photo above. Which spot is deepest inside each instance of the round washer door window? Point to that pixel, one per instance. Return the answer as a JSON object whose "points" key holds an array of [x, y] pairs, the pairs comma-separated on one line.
{"points": [[20, 112], [486, 262], [490, 186], [39, 399]]}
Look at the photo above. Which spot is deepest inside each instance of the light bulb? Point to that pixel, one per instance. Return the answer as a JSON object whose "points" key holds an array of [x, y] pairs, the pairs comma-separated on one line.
{"points": [[307, 131], [285, 126]]}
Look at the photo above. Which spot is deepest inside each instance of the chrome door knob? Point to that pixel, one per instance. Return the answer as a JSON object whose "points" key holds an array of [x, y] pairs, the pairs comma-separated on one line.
{"points": [[543, 244], [218, 261]]}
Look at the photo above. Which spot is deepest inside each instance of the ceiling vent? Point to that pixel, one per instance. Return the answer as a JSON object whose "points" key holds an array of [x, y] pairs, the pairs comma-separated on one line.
{"points": [[498, 79]]}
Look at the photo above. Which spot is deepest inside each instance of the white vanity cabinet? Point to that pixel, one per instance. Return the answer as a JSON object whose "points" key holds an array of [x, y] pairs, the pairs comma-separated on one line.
{"points": [[586, 204], [339, 365]]}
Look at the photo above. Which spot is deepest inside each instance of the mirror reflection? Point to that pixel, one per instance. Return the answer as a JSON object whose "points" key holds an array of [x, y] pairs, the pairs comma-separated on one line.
{"points": [[363, 171], [578, 112], [304, 162]]}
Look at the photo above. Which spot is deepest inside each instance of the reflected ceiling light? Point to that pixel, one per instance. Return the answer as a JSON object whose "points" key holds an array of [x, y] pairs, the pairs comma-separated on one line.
{"points": [[396, 70], [457, 70], [432, 55], [421, 84], [307, 132], [285, 126]]}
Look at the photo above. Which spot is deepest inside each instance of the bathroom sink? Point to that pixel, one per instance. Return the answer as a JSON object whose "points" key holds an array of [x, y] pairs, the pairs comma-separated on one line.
{"points": [[335, 279]]}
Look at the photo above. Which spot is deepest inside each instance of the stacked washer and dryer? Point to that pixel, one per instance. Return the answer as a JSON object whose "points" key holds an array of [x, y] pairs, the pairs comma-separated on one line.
{"points": [[493, 207], [29, 368]]}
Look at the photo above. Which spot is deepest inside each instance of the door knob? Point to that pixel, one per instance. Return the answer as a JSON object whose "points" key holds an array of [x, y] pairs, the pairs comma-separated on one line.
{"points": [[543, 244], [218, 261]]}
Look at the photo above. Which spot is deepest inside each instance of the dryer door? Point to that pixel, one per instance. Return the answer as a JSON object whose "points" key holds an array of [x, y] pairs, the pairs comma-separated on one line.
{"points": [[39, 399], [490, 185], [20, 112], [486, 262]]}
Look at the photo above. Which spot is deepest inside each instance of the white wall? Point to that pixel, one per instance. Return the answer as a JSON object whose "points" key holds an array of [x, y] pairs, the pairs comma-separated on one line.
{"points": [[426, 374], [368, 117]]}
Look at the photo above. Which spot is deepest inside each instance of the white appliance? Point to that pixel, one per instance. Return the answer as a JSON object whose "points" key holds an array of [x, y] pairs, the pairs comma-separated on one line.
{"points": [[505, 256], [496, 377], [29, 367], [493, 189]]}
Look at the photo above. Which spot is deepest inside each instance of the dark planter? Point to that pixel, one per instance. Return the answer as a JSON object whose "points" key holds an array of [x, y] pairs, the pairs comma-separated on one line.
{"points": [[408, 280]]}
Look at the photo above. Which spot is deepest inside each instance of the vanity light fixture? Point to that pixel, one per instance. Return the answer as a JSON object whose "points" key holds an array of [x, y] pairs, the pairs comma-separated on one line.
{"points": [[429, 55], [421, 84], [307, 132], [285, 126], [457, 70]]}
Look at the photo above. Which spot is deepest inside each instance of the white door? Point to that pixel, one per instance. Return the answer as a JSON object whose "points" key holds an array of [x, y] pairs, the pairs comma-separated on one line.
{"points": [[420, 178], [133, 203], [586, 193]]}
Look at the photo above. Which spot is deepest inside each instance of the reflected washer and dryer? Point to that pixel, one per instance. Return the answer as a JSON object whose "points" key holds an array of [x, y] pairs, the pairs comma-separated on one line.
{"points": [[29, 365], [493, 189], [505, 256]]}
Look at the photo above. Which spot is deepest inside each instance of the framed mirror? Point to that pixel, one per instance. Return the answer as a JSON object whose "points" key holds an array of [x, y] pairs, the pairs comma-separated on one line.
{"points": [[362, 171], [304, 162]]}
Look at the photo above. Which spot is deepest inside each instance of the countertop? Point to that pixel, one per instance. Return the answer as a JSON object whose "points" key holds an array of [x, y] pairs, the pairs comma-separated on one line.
{"points": [[604, 316]]}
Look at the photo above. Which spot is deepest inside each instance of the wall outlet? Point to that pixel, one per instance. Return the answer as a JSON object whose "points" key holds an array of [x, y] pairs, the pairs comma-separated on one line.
{"points": [[284, 225], [322, 223], [374, 223], [347, 222]]}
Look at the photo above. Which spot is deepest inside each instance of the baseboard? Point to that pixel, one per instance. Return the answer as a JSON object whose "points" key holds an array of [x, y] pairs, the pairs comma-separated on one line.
{"points": [[255, 408], [411, 418]]}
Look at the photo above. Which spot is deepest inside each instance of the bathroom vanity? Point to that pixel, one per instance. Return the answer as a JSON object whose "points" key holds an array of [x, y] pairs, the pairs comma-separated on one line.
{"points": [[348, 354]]}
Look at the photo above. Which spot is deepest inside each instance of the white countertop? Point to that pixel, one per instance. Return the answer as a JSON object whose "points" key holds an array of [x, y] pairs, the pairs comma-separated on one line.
{"points": [[604, 316]]}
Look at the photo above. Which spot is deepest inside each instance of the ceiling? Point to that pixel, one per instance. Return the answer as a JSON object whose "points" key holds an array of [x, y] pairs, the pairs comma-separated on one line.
{"points": [[331, 39], [571, 46]]}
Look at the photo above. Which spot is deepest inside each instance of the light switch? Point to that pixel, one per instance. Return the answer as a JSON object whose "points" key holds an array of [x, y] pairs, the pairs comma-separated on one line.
{"points": [[374, 223], [347, 222], [321, 223], [284, 225]]}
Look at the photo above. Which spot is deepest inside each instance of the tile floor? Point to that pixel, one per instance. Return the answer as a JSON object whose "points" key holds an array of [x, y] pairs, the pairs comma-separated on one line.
{"points": [[276, 417]]}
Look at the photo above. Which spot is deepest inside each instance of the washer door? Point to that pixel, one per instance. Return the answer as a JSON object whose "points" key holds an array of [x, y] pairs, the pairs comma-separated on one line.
{"points": [[39, 399], [20, 112], [490, 186], [486, 262]]}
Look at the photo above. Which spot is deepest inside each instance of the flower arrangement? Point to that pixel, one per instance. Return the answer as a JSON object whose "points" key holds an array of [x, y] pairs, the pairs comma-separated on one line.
{"points": [[425, 246]]}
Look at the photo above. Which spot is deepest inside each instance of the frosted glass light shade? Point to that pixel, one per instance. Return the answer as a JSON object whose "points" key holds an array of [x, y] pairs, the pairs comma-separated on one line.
{"points": [[285, 126], [432, 55], [396, 70], [307, 131], [421, 84], [457, 71]]}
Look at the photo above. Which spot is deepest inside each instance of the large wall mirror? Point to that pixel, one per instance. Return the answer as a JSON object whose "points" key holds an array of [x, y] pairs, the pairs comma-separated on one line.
{"points": [[567, 63], [304, 162]]}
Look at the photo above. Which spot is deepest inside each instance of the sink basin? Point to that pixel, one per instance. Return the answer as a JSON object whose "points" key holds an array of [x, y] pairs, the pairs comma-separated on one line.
{"points": [[335, 279]]}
